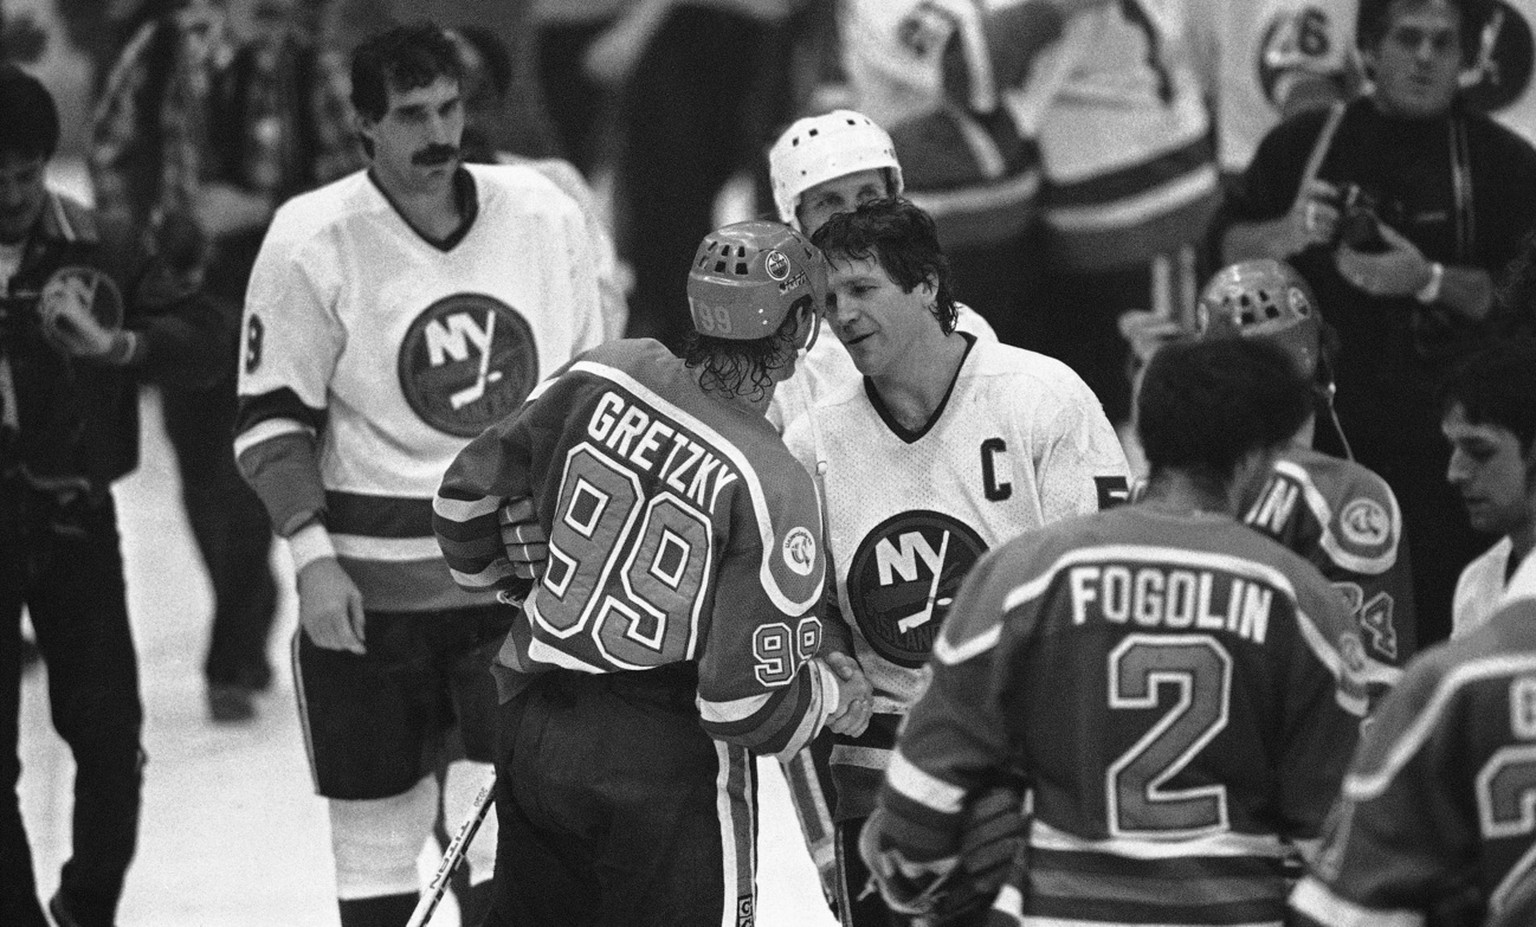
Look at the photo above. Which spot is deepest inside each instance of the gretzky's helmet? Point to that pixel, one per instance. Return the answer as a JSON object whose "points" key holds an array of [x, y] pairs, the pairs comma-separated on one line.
{"points": [[748, 276], [819, 148], [1263, 298]]}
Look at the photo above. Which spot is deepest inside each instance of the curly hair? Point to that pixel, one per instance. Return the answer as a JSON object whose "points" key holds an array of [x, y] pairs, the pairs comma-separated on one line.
{"points": [[745, 368]]}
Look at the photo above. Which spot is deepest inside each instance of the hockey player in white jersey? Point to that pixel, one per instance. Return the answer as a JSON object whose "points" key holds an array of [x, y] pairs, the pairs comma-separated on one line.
{"points": [[822, 165], [391, 317], [946, 446]]}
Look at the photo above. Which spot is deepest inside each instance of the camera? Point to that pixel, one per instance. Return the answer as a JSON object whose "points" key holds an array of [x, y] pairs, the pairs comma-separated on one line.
{"points": [[1359, 221]]}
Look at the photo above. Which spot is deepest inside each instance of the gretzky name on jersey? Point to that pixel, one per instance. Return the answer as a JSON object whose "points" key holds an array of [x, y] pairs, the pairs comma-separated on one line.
{"points": [[1180, 598], [656, 447]]}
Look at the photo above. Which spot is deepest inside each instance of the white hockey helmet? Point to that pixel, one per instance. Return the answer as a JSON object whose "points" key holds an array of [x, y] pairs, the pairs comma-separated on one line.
{"points": [[819, 148]]}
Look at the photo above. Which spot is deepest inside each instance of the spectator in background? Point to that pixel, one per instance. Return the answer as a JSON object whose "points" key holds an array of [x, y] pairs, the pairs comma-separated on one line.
{"points": [[1398, 209], [488, 79], [956, 86], [1263, 61], [1130, 181], [1488, 414], [78, 329], [696, 99], [580, 105], [214, 115]]}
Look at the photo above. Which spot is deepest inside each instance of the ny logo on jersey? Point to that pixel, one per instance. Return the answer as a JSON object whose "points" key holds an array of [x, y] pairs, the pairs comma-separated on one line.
{"points": [[467, 361], [902, 580]]}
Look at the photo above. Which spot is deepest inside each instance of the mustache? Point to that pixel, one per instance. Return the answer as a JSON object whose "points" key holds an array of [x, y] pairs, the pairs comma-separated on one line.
{"points": [[433, 155]]}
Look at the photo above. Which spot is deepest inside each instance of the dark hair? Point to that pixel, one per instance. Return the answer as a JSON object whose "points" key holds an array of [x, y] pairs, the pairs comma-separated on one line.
{"points": [[902, 238], [1204, 405], [29, 120], [1373, 19], [1496, 386], [400, 59], [733, 366]]}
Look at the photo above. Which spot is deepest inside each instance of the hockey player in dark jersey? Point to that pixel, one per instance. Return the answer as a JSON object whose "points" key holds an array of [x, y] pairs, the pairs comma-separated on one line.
{"points": [[1434, 826], [1179, 693], [673, 630], [1338, 514]]}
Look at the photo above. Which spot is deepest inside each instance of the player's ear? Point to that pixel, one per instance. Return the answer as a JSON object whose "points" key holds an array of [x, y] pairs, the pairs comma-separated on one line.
{"points": [[929, 288]]}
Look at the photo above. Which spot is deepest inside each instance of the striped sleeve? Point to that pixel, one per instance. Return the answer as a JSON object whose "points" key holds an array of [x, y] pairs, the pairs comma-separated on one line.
{"points": [[780, 722], [489, 471], [275, 450]]}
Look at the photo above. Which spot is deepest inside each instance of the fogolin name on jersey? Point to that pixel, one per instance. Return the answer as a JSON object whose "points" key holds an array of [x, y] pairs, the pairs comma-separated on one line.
{"points": [[467, 361], [903, 578]]}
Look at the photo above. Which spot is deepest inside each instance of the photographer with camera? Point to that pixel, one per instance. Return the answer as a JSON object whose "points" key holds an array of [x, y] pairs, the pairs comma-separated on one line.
{"points": [[1398, 208], [82, 316]]}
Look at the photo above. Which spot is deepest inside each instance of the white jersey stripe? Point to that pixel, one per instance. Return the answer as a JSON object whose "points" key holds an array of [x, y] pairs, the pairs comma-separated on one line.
{"points": [[461, 511], [1313, 899], [876, 758], [1229, 844], [906, 778], [1363, 786], [268, 429], [389, 550]]}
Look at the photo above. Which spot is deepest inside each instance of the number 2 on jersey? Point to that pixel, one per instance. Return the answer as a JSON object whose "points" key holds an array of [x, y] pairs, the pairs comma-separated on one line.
{"points": [[1143, 668], [660, 547]]}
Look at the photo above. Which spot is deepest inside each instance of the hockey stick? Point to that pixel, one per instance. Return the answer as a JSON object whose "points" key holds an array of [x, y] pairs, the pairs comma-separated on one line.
{"points": [[453, 856]]}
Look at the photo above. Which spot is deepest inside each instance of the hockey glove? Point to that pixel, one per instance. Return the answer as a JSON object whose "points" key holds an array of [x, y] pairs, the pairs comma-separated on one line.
{"points": [[992, 846], [523, 538]]}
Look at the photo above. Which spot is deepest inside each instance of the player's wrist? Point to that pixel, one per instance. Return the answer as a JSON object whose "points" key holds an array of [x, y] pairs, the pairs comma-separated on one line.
{"points": [[309, 544]]}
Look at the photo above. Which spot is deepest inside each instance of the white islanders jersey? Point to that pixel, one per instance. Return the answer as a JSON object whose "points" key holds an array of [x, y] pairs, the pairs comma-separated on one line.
{"points": [[410, 348], [1020, 442]]}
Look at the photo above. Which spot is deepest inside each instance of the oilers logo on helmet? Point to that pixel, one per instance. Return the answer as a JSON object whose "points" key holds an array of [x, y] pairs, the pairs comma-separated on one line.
{"points": [[467, 361], [909, 568]]}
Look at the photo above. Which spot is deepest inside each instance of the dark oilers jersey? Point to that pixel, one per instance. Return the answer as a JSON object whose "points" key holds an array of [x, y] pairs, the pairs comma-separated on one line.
{"points": [[1175, 690], [680, 529], [1439, 798], [1345, 520], [1019, 442]]}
